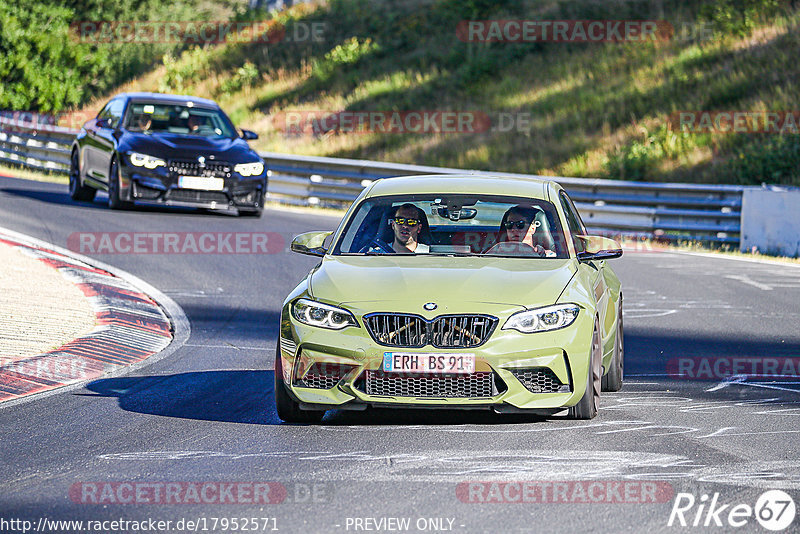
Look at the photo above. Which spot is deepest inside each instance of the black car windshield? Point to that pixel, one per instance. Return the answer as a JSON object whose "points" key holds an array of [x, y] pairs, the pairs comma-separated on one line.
{"points": [[149, 117], [454, 224]]}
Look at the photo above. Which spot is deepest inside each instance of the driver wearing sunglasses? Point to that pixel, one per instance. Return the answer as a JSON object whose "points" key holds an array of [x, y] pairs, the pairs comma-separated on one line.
{"points": [[406, 225]]}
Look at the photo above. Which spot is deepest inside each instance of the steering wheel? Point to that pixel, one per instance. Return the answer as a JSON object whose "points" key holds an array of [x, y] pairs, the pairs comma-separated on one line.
{"points": [[513, 248], [376, 243]]}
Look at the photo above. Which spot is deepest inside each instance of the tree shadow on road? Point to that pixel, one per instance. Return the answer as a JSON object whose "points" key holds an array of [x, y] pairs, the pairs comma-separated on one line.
{"points": [[231, 396]]}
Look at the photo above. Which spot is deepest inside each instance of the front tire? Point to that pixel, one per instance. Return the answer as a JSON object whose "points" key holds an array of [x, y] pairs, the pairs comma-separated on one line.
{"points": [[612, 381], [115, 202], [288, 409], [588, 405], [78, 191]]}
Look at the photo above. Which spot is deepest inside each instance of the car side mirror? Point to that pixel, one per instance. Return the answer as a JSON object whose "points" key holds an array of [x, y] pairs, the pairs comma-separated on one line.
{"points": [[249, 135], [311, 243], [596, 248]]}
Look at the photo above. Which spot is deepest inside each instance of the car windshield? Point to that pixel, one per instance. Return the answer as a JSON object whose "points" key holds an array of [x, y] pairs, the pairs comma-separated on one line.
{"points": [[149, 117], [454, 225]]}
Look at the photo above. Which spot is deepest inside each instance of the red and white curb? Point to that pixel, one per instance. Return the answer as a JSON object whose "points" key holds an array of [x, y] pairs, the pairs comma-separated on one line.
{"points": [[131, 325]]}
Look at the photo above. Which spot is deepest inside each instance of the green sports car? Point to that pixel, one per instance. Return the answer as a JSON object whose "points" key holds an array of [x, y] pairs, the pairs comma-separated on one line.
{"points": [[453, 292]]}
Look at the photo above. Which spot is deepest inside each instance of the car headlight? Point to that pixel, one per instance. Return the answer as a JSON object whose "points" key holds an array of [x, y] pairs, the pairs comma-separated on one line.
{"points": [[322, 315], [249, 169], [543, 319], [148, 162]]}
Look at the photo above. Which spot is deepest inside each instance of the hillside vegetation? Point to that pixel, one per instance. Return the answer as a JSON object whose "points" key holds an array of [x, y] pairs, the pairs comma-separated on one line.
{"points": [[595, 109]]}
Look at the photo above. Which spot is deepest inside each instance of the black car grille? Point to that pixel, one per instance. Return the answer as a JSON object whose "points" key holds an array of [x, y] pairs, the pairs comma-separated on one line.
{"points": [[538, 380], [192, 195], [451, 386], [216, 169], [145, 193], [323, 375], [445, 331]]}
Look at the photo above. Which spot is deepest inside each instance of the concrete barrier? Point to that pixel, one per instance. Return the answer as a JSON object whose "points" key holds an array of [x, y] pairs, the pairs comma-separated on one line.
{"points": [[771, 221]]}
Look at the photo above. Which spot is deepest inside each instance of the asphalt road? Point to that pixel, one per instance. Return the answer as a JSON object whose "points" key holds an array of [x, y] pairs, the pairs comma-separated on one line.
{"points": [[205, 413]]}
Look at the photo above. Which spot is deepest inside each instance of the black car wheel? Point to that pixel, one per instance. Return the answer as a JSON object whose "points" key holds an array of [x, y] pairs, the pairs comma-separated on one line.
{"points": [[588, 405], [612, 381], [114, 200], [288, 409], [78, 191]]}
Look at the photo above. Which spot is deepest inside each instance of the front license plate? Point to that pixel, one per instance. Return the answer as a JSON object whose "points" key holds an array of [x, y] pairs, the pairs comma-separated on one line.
{"points": [[204, 183], [427, 362]]}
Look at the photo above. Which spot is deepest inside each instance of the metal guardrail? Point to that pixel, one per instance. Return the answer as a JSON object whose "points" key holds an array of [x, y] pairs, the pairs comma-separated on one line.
{"points": [[708, 213]]}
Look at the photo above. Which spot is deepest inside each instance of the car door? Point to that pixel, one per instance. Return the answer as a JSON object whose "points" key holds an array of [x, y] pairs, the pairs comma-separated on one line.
{"points": [[594, 270], [100, 140]]}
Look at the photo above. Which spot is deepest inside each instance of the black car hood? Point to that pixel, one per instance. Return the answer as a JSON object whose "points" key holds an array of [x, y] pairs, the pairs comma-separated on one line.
{"points": [[172, 146]]}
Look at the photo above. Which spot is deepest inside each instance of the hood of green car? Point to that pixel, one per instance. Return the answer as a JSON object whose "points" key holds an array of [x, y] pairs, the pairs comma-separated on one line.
{"points": [[455, 284]]}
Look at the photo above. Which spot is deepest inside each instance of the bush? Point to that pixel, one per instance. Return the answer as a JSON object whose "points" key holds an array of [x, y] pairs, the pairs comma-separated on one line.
{"points": [[639, 159], [41, 69], [180, 72], [246, 76]]}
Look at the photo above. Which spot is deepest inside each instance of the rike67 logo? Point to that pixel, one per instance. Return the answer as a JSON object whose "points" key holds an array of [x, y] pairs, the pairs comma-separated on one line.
{"points": [[774, 510]]}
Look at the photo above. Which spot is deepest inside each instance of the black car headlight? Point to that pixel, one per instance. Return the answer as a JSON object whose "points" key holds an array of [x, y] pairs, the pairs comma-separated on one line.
{"points": [[146, 161], [249, 169], [543, 319], [322, 315]]}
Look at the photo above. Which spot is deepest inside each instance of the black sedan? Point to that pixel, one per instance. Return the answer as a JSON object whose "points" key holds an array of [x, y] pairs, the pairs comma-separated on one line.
{"points": [[170, 150]]}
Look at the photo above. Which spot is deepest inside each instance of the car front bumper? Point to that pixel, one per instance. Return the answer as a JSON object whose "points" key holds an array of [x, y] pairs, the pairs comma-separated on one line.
{"points": [[339, 362], [160, 187]]}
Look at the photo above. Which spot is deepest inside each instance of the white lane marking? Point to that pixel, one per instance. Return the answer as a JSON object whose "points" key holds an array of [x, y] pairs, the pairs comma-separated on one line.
{"points": [[718, 432], [735, 379], [756, 433], [513, 464], [743, 278], [766, 386], [641, 314]]}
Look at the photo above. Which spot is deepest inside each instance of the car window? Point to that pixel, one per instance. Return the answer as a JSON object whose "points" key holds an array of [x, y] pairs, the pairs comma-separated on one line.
{"points": [[149, 117], [113, 111], [574, 222], [454, 224]]}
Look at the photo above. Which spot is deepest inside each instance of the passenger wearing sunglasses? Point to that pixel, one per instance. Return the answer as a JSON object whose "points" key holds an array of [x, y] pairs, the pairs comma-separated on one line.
{"points": [[520, 224]]}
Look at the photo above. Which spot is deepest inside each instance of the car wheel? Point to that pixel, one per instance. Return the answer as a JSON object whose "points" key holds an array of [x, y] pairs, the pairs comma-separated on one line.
{"points": [[78, 191], [114, 200], [288, 409], [612, 381], [589, 403]]}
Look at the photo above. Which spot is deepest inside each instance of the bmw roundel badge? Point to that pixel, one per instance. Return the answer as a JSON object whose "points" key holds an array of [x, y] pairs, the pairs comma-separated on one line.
{"points": [[430, 306]]}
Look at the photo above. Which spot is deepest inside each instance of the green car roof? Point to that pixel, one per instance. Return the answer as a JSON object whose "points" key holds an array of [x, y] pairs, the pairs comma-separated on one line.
{"points": [[468, 184]]}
